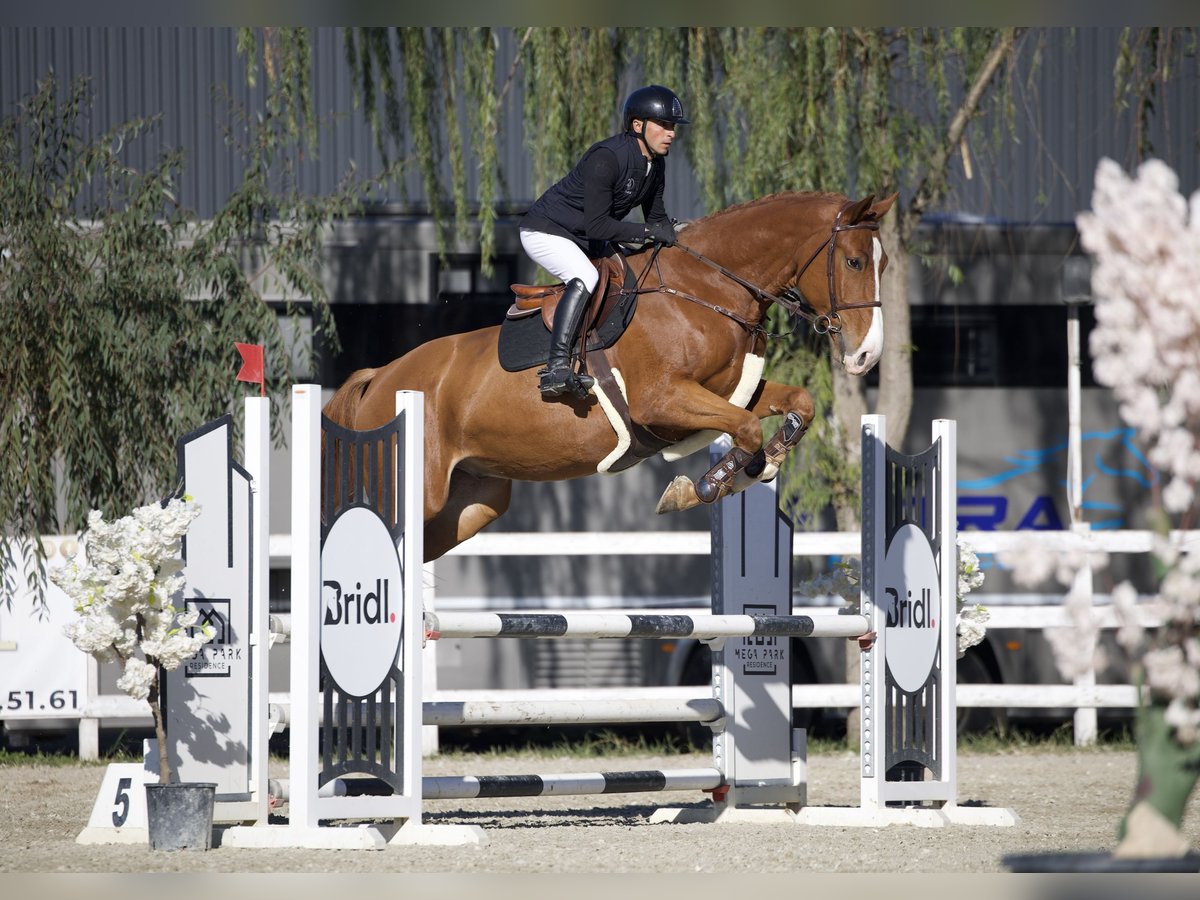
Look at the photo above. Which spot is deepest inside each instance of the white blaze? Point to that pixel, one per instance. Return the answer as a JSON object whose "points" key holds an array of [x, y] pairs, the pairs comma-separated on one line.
{"points": [[860, 360]]}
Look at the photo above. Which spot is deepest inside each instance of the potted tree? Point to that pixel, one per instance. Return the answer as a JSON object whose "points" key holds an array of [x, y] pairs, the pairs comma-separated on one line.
{"points": [[123, 584], [1144, 237]]}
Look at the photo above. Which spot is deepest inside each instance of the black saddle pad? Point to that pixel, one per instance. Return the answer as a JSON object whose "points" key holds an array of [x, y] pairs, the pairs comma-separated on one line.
{"points": [[525, 343]]}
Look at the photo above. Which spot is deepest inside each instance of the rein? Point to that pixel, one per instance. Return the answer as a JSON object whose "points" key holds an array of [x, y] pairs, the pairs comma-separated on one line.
{"points": [[825, 323]]}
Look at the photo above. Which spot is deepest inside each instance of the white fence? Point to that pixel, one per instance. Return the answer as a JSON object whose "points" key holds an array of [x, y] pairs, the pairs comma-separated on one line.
{"points": [[1085, 696]]}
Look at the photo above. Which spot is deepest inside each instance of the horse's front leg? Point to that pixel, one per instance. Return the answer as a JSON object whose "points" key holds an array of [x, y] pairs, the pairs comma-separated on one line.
{"points": [[744, 464], [691, 408], [796, 406]]}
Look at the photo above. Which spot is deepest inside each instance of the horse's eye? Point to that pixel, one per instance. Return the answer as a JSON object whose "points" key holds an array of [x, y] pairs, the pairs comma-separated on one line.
{"points": [[854, 262]]}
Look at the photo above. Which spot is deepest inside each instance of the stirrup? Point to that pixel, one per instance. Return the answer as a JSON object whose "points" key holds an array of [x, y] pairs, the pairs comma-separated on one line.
{"points": [[561, 380]]}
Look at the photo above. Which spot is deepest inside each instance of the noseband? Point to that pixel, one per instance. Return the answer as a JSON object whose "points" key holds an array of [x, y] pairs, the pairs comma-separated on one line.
{"points": [[826, 323]]}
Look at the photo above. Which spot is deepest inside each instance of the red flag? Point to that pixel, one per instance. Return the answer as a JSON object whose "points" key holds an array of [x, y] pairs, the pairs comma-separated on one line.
{"points": [[252, 365]]}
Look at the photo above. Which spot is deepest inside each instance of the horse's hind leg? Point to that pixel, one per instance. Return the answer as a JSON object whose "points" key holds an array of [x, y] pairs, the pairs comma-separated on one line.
{"points": [[472, 502]]}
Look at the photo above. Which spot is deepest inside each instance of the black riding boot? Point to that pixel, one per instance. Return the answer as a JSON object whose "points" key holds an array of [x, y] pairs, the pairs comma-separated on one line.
{"points": [[557, 377]]}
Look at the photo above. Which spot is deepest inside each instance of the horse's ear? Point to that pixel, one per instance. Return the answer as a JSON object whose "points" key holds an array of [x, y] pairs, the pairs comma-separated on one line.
{"points": [[855, 212], [880, 209]]}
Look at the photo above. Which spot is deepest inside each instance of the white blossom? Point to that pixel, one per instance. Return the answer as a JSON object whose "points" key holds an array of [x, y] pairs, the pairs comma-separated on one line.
{"points": [[1031, 562], [1184, 717], [1076, 647], [1178, 495], [137, 678], [972, 626], [123, 584], [1130, 633], [970, 576], [1170, 673], [840, 581], [1144, 237]]}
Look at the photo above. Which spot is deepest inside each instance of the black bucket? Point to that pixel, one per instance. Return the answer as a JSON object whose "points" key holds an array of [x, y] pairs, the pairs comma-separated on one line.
{"points": [[180, 816]]}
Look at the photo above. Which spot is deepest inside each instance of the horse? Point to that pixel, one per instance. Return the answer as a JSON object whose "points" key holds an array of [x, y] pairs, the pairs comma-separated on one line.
{"points": [[688, 366]]}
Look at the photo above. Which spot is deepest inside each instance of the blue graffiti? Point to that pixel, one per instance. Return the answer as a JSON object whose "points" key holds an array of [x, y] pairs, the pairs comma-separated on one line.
{"points": [[1043, 515], [989, 511], [1026, 461]]}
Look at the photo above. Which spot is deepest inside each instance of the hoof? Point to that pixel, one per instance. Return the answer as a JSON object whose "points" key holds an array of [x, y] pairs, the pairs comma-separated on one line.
{"points": [[679, 495]]}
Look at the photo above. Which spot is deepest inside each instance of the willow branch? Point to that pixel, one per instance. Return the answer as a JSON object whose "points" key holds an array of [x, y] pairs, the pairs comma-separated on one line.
{"points": [[964, 114], [512, 70]]}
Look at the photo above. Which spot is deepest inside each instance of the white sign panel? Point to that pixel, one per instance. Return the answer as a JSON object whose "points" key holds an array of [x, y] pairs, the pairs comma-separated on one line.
{"points": [[208, 697], [42, 674], [911, 599], [362, 602]]}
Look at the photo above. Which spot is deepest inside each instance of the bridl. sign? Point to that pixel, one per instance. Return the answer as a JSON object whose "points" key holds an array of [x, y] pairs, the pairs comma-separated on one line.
{"points": [[362, 602], [911, 599]]}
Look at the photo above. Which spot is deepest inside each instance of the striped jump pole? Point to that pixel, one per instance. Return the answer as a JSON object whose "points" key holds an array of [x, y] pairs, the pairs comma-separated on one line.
{"points": [[621, 625], [614, 625], [475, 787], [571, 712], [650, 781]]}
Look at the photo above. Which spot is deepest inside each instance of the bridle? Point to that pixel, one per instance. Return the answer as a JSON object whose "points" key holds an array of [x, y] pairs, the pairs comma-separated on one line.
{"points": [[822, 323]]}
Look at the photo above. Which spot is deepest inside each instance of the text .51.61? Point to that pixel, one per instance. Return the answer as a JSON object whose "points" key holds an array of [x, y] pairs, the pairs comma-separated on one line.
{"points": [[33, 701]]}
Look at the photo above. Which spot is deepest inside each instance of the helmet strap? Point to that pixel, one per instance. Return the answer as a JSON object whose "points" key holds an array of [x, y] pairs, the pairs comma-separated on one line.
{"points": [[641, 136]]}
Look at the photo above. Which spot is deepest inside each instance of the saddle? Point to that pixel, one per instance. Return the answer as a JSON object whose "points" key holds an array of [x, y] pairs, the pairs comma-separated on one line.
{"points": [[524, 339], [529, 298]]}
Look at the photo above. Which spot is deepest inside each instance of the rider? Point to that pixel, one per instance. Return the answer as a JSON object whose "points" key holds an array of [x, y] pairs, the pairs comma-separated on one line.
{"points": [[572, 222]]}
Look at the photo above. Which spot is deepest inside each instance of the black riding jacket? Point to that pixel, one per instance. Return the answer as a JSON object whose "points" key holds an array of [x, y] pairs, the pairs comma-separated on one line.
{"points": [[588, 205]]}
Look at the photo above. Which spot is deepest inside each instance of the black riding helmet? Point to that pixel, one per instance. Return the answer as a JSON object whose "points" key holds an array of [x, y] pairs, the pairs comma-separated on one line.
{"points": [[654, 102]]}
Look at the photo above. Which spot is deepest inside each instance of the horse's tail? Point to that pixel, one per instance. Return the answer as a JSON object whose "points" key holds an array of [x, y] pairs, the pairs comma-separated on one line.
{"points": [[342, 407]]}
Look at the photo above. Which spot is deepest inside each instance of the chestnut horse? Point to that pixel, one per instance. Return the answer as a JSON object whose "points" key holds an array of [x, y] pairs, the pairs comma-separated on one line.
{"points": [[690, 365]]}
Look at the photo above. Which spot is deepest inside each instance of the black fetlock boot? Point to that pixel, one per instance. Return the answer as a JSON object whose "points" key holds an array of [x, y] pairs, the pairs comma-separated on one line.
{"points": [[558, 377]]}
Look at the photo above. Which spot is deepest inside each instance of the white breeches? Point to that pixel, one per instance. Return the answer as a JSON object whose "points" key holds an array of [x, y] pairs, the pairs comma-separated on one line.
{"points": [[560, 256]]}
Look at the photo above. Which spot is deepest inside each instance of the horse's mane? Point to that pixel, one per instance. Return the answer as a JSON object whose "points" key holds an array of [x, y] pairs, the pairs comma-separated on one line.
{"points": [[826, 196]]}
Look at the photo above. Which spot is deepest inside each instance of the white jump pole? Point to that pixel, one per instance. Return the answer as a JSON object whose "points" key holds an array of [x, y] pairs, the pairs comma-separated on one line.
{"points": [[305, 601]]}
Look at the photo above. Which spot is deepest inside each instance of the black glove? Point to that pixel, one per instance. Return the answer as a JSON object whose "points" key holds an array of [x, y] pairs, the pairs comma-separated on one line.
{"points": [[661, 233]]}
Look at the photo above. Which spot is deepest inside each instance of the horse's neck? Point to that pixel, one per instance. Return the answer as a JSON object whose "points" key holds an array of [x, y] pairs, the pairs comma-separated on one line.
{"points": [[759, 244], [765, 243]]}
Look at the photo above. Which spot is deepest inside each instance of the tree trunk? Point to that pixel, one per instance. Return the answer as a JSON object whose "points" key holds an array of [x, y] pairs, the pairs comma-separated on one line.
{"points": [[895, 368], [849, 404], [160, 731]]}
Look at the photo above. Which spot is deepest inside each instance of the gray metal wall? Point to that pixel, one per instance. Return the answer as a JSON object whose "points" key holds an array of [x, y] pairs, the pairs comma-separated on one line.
{"points": [[1066, 119]]}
